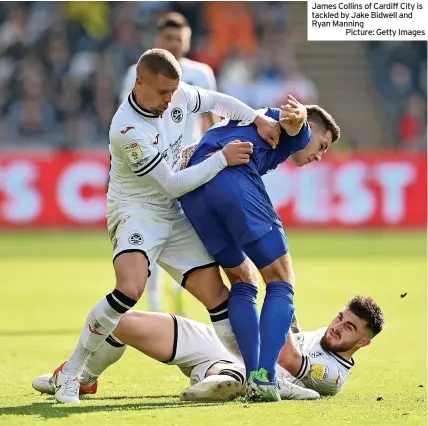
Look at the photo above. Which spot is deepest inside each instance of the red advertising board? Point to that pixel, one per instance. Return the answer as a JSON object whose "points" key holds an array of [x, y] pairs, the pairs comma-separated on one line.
{"points": [[53, 189]]}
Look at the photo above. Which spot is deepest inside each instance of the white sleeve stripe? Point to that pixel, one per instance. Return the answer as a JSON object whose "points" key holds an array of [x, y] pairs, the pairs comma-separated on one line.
{"points": [[151, 168], [148, 165], [198, 101]]}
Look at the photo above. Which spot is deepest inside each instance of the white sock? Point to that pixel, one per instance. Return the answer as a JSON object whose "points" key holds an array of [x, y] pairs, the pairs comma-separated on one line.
{"points": [[110, 351], [220, 320], [154, 288], [101, 321]]}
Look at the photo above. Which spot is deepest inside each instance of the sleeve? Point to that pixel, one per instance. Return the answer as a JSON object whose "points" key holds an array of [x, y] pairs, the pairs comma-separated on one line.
{"points": [[147, 163], [135, 147], [325, 378], [300, 141], [201, 100], [128, 82]]}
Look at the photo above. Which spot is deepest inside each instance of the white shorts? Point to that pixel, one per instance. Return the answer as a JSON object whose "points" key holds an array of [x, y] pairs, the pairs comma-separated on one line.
{"points": [[197, 348], [171, 242]]}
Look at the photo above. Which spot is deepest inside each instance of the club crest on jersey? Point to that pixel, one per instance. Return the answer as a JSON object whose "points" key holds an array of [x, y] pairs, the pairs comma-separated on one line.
{"points": [[177, 114], [136, 239]]}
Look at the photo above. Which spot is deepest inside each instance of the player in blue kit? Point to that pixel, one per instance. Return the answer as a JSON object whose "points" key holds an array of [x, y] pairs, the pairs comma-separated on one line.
{"points": [[235, 218]]}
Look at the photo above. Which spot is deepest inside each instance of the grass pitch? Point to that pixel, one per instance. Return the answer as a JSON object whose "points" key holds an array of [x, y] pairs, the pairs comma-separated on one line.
{"points": [[49, 282]]}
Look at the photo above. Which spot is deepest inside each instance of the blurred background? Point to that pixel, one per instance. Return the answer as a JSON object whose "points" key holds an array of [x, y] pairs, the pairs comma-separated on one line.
{"points": [[62, 66]]}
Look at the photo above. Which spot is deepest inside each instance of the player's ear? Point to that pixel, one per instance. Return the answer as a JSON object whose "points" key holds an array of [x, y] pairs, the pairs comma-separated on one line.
{"points": [[363, 342], [310, 124]]}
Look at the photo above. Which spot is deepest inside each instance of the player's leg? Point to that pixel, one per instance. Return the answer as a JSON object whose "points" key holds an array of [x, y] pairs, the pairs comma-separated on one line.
{"points": [[215, 212], [154, 289], [151, 333], [186, 259], [270, 255], [242, 304], [221, 382], [131, 251]]}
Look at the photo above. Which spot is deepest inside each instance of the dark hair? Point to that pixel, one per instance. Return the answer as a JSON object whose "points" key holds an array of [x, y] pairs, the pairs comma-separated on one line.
{"points": [[173, 20], [322, 118], [159, 61], [368, 310]]}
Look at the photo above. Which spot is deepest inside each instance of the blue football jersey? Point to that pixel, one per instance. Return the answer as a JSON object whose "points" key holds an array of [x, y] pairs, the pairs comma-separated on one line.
{"points": [[264, 158]]}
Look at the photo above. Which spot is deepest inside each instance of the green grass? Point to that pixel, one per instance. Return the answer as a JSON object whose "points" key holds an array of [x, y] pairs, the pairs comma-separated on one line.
{"points": [[49, 282]]}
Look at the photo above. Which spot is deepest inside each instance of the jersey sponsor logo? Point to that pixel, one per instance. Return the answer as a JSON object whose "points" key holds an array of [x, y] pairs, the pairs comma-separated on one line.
{"points": [[177, 114], [134, 153], [136, 239], [127, 129], [319, 372], [156, 139], [244, 123]]}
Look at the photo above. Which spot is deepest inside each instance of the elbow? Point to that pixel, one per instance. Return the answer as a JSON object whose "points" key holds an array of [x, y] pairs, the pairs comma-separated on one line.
{"points": [[172, 193]]}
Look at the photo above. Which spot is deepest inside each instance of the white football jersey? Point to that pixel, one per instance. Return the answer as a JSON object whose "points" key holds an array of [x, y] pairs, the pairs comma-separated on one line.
{"points": [[322, 371], [194, 73], [138, 142]]}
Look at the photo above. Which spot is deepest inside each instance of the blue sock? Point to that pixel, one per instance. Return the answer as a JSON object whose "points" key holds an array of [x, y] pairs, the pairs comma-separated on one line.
{"points": [[244, 319], [275, 321]]}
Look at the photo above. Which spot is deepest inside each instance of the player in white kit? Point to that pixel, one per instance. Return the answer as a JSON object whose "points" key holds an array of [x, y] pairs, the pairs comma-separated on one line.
{"points": [[319, 360], [145, 221], [174, 35]]}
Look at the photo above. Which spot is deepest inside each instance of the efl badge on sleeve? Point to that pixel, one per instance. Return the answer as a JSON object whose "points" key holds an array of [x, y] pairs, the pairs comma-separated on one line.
{"points": [[134, 152], [318, 372]]}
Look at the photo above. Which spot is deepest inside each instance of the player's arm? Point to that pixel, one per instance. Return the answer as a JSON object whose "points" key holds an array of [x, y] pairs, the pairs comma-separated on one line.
{"points": [[292, 359], [201, 100], [325, 379], [149, 165], [295, 327], [209, 118], [292, 117]]}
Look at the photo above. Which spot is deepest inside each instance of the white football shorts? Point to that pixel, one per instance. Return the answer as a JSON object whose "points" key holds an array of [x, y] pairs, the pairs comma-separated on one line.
{"points": [[171, 242]]}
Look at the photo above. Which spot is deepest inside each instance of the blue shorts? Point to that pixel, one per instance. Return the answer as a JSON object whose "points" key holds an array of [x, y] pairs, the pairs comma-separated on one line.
{"points": [[231, 212]]}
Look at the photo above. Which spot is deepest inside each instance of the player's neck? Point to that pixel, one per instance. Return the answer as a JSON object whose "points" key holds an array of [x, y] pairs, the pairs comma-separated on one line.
{"points": [[139, 101], [347, 355]]}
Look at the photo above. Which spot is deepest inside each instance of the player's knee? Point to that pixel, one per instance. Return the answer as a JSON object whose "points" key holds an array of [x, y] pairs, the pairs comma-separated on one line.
{"points": [[280, 270], [246, 272], [131, 274], [131, 289], [128, 319]]}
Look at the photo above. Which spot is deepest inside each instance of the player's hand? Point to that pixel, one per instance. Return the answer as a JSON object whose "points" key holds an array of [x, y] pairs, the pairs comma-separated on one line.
{"points": [[237, 152], [293, 113], [268, 129]]}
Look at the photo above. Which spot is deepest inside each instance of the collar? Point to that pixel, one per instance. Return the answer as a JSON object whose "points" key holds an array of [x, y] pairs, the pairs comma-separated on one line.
{"points": [[346, 363], [140, 111]]}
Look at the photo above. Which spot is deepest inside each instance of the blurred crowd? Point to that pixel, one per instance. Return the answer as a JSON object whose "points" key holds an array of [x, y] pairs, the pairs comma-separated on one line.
{"points": [[62, 63], [400, 73]]}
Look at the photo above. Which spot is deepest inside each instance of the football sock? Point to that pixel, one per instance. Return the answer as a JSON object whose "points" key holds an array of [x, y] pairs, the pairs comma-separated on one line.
{"points": [[275, 321], [110, 351], [221, 323], [244, 318], [101, 321], [154, 288]]}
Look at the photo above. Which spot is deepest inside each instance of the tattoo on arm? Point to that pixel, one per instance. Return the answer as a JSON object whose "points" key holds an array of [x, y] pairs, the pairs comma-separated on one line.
{"points": [[295, 328], [186, 153]]}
